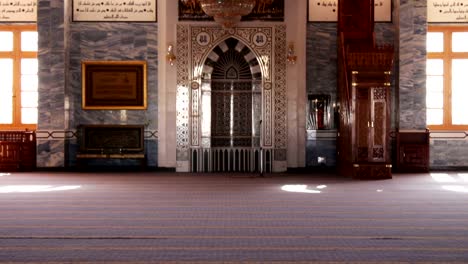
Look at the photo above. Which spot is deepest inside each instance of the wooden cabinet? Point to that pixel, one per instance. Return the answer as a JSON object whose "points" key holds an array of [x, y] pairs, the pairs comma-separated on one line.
{"points": [[17, 150], [413, 151]]}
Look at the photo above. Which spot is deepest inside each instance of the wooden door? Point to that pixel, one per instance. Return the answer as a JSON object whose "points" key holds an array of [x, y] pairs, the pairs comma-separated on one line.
{"points": [[378, 127], [362, 124], [371, 124]]}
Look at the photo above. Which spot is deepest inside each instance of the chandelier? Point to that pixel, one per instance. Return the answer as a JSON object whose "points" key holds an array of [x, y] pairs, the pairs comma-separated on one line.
{"points": [[227, 13]]}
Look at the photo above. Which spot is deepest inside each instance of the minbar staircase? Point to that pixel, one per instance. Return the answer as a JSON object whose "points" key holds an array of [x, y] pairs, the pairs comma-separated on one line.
{"points": [[364, 87]]}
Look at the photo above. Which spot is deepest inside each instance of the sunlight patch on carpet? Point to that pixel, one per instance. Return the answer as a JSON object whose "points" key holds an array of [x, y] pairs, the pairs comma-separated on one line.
{"points": [[299, 188], [36, 188], [455, 188], [446, 178], [463, 176], [442, 177]]}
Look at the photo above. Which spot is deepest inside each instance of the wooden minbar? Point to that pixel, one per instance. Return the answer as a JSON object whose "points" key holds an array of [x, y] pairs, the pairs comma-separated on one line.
{"points": [[364, 91]]}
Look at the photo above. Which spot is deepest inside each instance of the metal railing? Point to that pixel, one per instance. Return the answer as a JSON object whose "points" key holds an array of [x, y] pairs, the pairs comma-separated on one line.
{"points": [[231, 159]]}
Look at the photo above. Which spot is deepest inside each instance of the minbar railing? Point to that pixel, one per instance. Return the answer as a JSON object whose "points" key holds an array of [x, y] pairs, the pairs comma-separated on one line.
{"points": [[17, 150], [375, 59]]}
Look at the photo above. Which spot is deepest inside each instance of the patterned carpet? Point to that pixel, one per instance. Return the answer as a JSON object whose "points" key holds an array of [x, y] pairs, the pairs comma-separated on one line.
{"points": [[161, 217]]}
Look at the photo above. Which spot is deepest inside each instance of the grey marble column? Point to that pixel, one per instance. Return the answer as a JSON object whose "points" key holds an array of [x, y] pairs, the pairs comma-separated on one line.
{"points": [[412, 71], [51, 55]]}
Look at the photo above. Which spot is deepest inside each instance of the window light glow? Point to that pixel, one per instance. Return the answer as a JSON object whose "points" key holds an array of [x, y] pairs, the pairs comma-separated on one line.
{"points": [[435, 41], [29, 41], [459, 41], [36, 188], [7, 41], [459, 91]]}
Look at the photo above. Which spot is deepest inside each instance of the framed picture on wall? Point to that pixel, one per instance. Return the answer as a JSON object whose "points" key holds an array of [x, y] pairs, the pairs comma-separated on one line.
{"points": [[114, 11], [114, 85], [327, 11]]}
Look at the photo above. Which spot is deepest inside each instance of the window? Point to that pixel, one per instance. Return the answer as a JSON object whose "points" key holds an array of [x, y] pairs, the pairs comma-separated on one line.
{"points": [[447, 78], [18, 75]]}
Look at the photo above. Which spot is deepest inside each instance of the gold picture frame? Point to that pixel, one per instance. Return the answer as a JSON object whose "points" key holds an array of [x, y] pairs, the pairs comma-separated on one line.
{"points": [[114, 85]]}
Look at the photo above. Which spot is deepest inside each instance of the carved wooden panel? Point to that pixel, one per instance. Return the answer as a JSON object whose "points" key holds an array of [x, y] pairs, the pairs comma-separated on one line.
{"points": [[17, 150], [362, 123], [413, 151], [372, 171], [370, 124], [356, 18]]}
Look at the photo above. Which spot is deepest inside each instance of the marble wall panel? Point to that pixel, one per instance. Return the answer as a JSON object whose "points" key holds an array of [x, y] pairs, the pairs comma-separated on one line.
{"points": [[62, 46], [321, 148], [448, 153], [114, 42], [321, 58], [412, 63], [51, 55], [50, 153]]}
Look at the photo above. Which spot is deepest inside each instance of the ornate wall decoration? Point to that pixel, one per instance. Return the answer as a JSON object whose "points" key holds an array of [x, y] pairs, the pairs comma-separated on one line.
{"points": [[195, 115], [204, 39], [196, 44], [268, 116], [266, 10], [182, 121], [280, 88], [380, 93]]}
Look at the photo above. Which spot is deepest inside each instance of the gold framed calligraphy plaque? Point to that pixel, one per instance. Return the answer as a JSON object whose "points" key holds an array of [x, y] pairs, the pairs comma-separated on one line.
{"points": [[114, 85], [114, 11]]}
